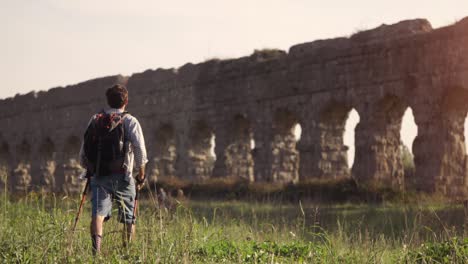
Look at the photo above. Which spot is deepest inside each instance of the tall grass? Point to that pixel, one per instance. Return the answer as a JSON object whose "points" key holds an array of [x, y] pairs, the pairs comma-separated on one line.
{"points": [[36, 229]]}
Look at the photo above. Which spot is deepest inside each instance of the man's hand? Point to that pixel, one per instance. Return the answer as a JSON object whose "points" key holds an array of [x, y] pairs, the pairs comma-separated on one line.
{"points": [[140, 178]]}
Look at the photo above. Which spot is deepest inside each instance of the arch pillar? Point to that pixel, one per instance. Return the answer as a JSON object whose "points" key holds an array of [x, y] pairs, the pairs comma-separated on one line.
{"points": [[233, 150], [262, 156], [5, 163], [164, 153], [307, 147], [68, 166], [21, 173], [182, 149], [46, 165], [330, 160], [285, 156], [439, 149], [200, 163], [428, 149], [378, 145], [35, 165]]}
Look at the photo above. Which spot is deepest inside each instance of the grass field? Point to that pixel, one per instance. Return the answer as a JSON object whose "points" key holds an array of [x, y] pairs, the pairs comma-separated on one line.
{"points": [[36, 229]]}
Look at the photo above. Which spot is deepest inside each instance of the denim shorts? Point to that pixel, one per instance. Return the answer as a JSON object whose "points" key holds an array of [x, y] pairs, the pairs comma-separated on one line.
{"points": [[116, 188]]}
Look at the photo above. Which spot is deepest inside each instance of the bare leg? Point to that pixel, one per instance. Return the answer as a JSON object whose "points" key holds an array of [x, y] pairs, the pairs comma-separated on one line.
{"points": [[96, 233]]}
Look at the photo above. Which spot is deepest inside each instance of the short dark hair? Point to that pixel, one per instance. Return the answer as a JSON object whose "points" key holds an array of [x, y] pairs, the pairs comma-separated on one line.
{"points": [[117, 96]]}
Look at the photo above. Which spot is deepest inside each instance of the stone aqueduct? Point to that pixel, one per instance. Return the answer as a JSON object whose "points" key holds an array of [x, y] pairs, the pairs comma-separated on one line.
{"points": [[259, 98]]}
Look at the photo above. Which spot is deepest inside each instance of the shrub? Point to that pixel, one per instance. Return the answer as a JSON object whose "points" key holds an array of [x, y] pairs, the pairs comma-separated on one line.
{"points": [[451, 251]]}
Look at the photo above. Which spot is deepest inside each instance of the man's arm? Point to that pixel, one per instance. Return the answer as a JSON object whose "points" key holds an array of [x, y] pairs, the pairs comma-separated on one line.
{"points": [[141, 175], [139, 149]]}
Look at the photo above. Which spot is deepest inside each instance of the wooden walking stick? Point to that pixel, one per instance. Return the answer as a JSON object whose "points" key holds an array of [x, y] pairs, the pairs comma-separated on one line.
{"points": [[135, 205], [137, 195], [83, 198]]}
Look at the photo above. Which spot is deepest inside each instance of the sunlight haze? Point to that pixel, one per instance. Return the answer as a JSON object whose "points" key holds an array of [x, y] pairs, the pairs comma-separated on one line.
{"points": [[50, 43]]}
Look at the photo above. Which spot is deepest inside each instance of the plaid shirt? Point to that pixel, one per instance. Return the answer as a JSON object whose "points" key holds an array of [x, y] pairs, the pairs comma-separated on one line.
{"points": [[136, 156]]}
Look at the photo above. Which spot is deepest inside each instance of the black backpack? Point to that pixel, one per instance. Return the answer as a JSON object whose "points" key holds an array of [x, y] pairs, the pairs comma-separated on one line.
{"points": [[104, 144]]}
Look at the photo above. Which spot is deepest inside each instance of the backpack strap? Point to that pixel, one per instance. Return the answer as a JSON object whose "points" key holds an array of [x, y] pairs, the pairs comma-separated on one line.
{"points": [[123, 114], [99, 115]]}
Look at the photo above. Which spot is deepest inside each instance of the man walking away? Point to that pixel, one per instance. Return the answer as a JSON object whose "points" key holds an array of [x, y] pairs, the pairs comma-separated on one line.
{"points": [[113, 145]]}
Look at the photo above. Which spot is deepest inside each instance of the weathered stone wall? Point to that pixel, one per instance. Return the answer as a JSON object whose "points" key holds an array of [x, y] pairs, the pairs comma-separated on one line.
{"points": [[259, 99]]}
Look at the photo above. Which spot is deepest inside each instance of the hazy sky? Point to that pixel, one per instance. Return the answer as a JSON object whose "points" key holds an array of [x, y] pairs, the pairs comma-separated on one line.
{"points": [[48, 43]]}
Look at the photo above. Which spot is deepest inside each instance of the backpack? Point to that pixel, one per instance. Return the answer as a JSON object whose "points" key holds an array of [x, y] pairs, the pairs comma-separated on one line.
{"points": [[104, 144]]}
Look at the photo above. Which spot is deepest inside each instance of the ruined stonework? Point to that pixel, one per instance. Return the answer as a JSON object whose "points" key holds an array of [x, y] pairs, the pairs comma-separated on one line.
{"points": [[248, 107], [238, 153], [3, 176], [239, 162], [22, 177], [165, 154], [380, 133], [71, 171], [4, 166], [48, 176], [47, 165], [285, 157]]}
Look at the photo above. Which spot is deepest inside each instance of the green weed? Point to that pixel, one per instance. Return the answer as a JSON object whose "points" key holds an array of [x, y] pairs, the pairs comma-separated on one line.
{"points": [[37, 229]]}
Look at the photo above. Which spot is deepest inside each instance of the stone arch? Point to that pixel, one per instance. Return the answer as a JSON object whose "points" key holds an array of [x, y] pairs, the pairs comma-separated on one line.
{"points": [[239, 160], [165, 152], [47, 165], [332, 152], [200, 151], [285, 156]]}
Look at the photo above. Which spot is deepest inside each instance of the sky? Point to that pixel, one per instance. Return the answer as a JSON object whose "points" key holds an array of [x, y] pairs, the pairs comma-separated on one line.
{"points": [[50, 43]]}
